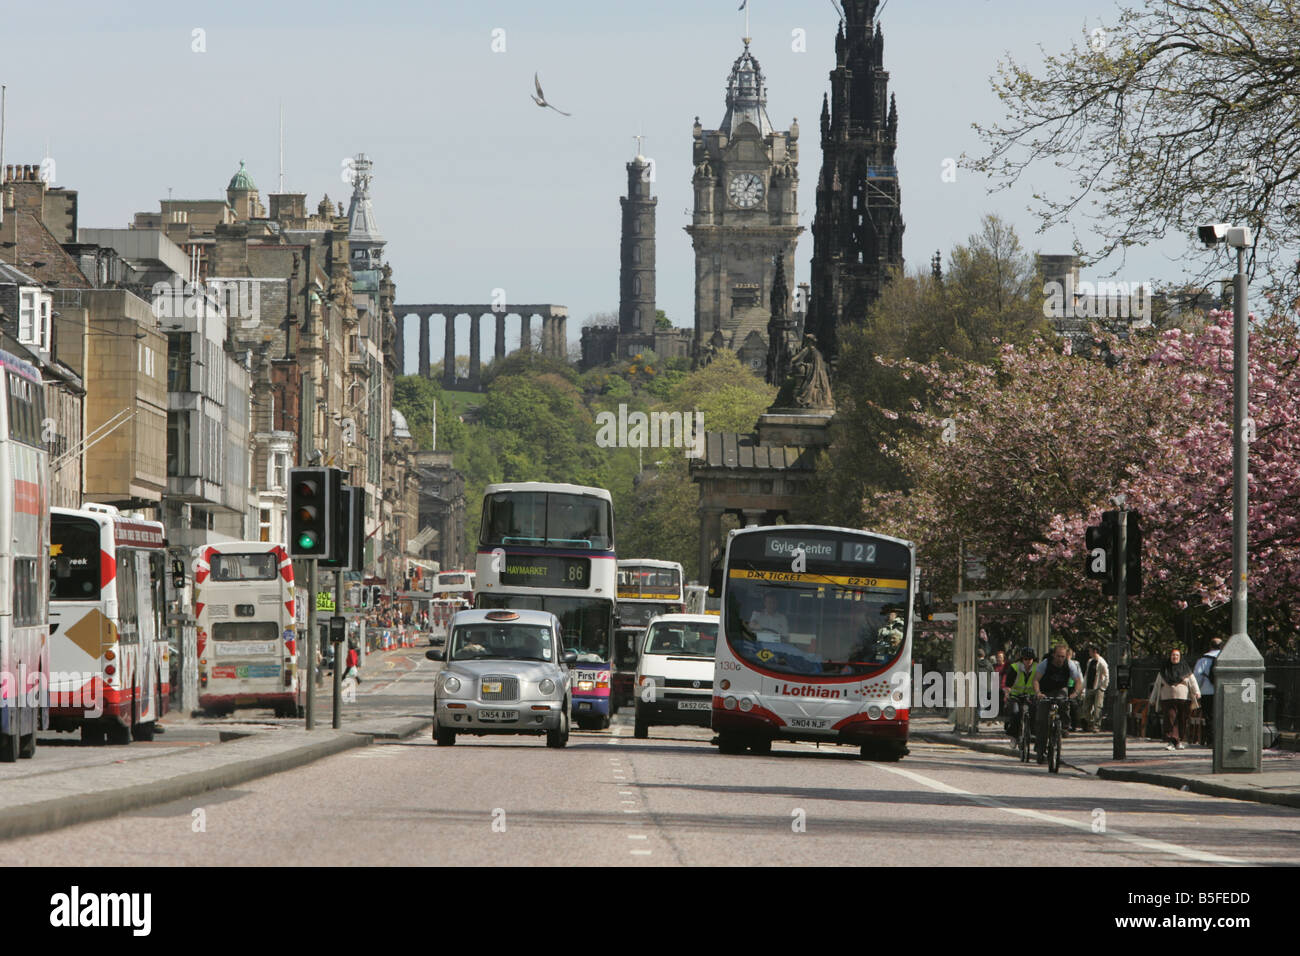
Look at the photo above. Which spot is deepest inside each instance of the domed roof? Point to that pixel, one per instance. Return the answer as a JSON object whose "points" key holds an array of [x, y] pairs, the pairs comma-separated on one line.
{"points": [[746, 96], [400, 428], [241, 181]]}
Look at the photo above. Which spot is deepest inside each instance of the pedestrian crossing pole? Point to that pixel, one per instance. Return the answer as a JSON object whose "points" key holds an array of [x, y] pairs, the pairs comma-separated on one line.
{"points": [[340, 650]]}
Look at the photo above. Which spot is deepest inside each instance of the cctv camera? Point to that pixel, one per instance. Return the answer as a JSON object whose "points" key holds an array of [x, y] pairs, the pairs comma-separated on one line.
{"points": [[1213, 234]]}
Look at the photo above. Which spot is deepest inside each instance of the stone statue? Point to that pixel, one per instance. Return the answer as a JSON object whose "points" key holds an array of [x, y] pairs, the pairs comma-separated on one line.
{"points": [[809, 384]]}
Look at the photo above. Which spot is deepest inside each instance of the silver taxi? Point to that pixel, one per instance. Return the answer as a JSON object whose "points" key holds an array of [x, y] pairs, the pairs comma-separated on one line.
{"points": [[504, 672]]}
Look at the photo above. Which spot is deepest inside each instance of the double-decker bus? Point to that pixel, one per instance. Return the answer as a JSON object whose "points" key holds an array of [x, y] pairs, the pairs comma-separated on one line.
{"points": [[550, 547], [24, 557], [646, 589], [816, 640], [247, 646], [108, 637]]}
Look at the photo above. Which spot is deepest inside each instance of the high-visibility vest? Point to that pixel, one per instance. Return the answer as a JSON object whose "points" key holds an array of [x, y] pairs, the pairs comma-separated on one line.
{"points": [[1024, 682]]}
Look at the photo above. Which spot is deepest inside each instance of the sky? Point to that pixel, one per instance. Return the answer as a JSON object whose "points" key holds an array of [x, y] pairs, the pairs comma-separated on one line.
{"points": [[475, 187]]}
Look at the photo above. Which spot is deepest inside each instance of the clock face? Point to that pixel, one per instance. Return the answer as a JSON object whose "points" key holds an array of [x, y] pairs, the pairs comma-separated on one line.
{"points": [[746, 190]]}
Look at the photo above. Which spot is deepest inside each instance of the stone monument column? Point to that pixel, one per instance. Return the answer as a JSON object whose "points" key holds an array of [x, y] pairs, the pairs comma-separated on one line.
{"points": [[424, 345], [449, 351], [501, 336], [474, 351]]}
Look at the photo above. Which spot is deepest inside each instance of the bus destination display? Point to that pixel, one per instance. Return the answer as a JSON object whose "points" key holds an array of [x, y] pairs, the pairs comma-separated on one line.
{"points": [[546, 571]]}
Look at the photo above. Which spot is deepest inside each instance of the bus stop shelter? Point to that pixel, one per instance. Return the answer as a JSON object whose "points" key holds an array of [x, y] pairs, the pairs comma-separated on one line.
{"points": [[1039, 603]]}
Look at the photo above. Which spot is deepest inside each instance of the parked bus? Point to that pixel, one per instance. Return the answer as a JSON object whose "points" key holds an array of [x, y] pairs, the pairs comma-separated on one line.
{"points": [[244, 604], [646, 589], [816, 640], [108, 637], [550, 547], [24, 556]]}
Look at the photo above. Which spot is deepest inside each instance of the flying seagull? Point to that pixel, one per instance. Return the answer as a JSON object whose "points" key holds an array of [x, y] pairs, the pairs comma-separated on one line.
{"points": [[540, 97]]}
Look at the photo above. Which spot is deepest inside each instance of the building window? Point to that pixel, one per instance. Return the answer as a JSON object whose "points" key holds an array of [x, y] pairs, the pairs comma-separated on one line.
{"points": [[178, 444], [636, 226], [636, 285], [34, 319], [636, 253], [264, 523], [279, 470], [178, 362]]}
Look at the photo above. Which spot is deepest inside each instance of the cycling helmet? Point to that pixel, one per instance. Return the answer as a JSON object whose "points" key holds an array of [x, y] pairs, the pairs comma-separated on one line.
{"points": [[1027, 653]]}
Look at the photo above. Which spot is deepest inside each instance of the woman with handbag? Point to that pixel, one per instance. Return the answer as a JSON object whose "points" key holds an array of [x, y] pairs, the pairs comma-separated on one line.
{"points": [[1173, 694]]}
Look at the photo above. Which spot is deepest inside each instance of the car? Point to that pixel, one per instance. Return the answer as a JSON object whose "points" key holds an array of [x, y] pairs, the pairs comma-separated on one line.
{"points": [[504, 672], [674, 676]]}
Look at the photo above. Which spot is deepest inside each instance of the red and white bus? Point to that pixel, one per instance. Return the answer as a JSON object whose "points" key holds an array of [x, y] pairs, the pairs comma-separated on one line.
{"points": [[111, 666], [24, 557], [816, 640], [247, 645]]}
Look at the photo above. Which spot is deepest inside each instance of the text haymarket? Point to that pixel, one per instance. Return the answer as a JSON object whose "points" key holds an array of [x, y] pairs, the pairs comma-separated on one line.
{"points": [[76, 909]]}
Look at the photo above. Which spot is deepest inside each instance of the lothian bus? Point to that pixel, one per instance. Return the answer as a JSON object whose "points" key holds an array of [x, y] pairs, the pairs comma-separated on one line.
{"points": [[452, 591], [550, 547], [816, 640], [110, 662], [24, 557], [646, 589], [247, 646]]}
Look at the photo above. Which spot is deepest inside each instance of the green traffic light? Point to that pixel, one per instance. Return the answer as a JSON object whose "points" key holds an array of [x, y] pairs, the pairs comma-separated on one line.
{"points": [[306, 541]]}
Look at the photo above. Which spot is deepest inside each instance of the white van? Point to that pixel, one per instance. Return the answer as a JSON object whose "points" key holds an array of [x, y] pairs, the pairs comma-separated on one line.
{"points": [[674, 677]]}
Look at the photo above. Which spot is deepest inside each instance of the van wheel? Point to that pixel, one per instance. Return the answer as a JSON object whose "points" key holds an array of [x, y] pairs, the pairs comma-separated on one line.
{"points": [[9, 748], [27, 745], [143, 731]]}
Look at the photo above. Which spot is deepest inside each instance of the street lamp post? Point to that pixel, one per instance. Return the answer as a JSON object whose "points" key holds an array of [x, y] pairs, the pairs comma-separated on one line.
{"points": [[1244, 717]]}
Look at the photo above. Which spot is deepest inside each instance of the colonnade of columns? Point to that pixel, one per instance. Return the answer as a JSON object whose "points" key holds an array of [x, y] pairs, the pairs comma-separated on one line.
{"points": [[554, 338]]}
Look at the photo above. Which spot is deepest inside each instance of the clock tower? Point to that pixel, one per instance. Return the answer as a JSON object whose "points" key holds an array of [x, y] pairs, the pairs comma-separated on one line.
{"points": [[746, 215]]}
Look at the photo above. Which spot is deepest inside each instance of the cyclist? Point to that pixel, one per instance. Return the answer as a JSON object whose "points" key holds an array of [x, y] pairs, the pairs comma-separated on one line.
{"points": [[1055, 676], [1020, 688]]}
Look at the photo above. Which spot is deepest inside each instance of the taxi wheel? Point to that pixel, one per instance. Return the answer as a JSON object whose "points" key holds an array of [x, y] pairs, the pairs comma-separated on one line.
{"points": [[558, 738]]}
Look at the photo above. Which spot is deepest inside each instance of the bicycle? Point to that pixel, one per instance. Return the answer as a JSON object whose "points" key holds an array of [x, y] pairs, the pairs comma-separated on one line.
{"points": [[1054, 730], [1025, 741]]}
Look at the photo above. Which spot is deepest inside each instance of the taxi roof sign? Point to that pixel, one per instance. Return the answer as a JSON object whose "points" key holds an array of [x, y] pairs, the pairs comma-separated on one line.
{"points": [[502, 616]]}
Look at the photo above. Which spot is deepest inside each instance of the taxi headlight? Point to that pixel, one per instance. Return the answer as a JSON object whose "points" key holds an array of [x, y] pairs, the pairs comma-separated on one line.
{"points": [[450, 684], [547, 687]]}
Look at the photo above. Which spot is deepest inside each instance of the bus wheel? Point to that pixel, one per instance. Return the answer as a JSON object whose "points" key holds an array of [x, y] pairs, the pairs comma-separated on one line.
{"points": [[143, 731], [729, 743], [761, 745], [27, 745], [92, 734], [119, 735], [886, 753]]}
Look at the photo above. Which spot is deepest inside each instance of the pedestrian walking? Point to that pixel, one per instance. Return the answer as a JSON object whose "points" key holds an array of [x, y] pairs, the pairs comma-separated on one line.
{"points": [[1173, 693], [1204, 674], [1095, 681]]}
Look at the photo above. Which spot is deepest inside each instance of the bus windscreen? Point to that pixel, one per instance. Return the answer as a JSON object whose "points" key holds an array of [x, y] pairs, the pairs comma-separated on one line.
{"points": [[75, 571]]}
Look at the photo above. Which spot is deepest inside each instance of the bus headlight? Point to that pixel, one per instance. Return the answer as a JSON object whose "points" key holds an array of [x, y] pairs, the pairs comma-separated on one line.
{"points": [[547, 687], [890, 713], [873, 712], [450, 684], [729, 703], [746, 704]]}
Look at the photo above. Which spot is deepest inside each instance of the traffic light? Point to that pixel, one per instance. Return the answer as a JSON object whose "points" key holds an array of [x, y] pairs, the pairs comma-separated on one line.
{"points": [[1103, 557], [351, 530], [313, 501]]}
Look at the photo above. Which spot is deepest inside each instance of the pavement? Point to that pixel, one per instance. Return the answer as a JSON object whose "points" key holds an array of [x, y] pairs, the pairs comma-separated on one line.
{"points": [[49, 796], [1147, 761]]}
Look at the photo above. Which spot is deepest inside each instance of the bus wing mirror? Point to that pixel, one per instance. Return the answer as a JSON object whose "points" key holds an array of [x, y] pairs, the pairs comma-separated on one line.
{"points": [[715, 581]]}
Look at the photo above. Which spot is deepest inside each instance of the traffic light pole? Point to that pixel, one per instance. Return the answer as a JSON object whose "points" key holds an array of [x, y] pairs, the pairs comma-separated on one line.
{"points": [[1119, 716], [311, 644], [340, 651]]}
